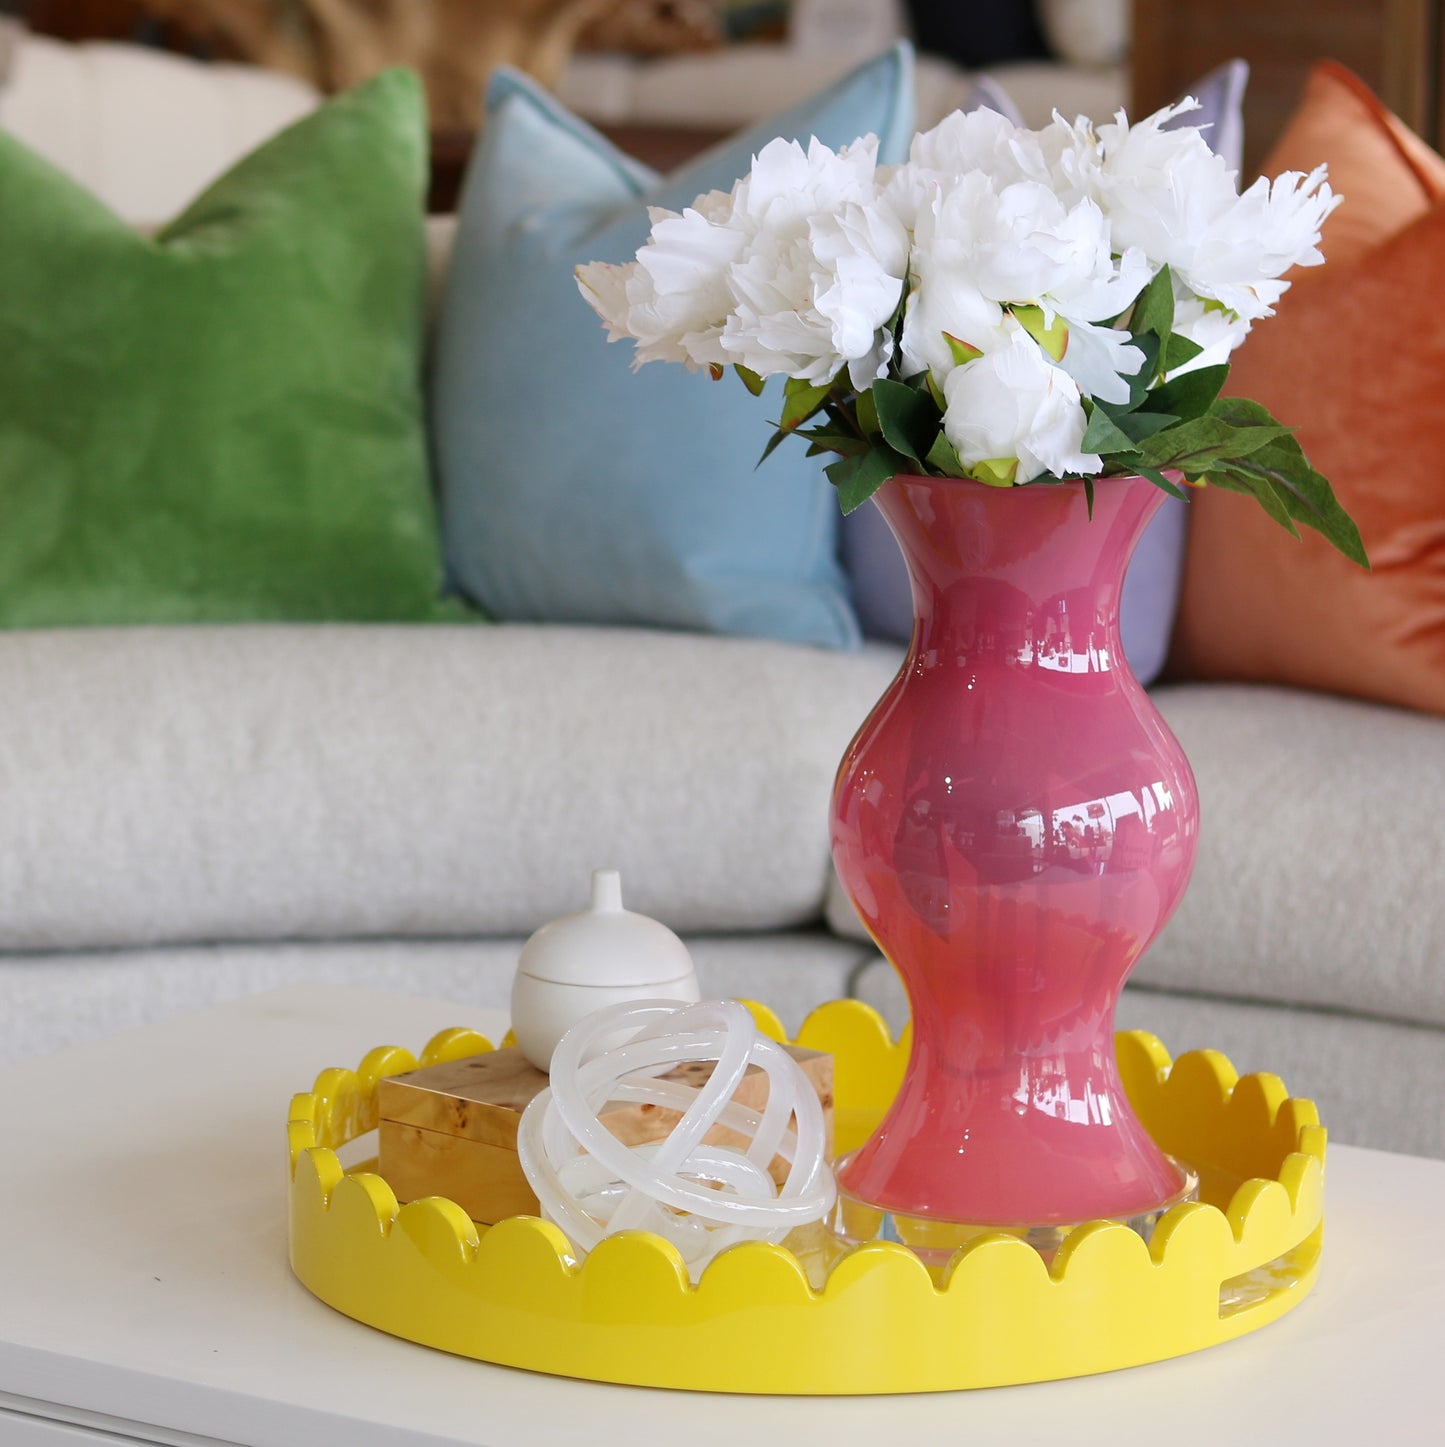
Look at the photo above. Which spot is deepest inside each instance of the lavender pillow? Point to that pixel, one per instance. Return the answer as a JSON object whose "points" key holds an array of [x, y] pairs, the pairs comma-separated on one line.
{"points": [[1151, 588]]}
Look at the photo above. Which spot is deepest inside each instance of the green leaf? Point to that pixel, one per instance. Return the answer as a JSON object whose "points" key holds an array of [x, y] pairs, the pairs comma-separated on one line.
{"points": [[962, 351], [867, 414], [1142, 380], [1053, 339], [1089, 496], [751, 380], [1275, 500], [1307, 496], [936, 392], [1189, 396], [773, 441], [858, 478], [1224, 479], [1104, 435], [1242, 411], [996, 471], [801, 401], [1163, 483], [943, 457], [1177, 351], [827, 439], [1193, 447], [1136, 426], [1154, 308], [908, 418]]}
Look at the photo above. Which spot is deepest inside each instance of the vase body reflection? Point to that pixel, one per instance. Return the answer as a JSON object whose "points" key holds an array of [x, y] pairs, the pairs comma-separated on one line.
{"points": [[1015, 823]]}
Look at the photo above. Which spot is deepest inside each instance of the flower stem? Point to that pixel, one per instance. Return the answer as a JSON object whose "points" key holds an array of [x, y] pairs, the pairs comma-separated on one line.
{"points": [[844, 417]]}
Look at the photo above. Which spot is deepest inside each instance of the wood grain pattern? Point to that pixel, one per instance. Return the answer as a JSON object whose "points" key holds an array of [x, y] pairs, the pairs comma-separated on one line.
{"points": [[451, 1130], [486, 1181], [1393, 45]]}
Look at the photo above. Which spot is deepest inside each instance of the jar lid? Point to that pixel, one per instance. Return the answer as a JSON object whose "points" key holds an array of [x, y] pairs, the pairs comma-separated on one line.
{"points": [[605, 944]]}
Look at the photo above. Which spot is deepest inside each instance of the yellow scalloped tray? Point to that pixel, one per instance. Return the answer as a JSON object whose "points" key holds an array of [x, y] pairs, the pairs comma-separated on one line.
{"points": [[1237, 1259]]}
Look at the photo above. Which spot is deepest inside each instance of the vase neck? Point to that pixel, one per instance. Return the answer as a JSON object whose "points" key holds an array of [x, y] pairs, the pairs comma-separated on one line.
{"points": [[1023, 575]]}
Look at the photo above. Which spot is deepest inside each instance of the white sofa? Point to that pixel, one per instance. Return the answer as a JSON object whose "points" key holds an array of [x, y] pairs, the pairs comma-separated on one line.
{"points": [[187, 815]]}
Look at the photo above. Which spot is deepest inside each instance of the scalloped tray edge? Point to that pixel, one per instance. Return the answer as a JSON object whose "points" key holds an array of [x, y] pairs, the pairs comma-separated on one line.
{"points": [[511, 1294]]}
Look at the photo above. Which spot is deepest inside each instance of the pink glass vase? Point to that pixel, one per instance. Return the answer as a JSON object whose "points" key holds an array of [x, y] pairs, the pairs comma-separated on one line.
{"points": [[1015, 823]]}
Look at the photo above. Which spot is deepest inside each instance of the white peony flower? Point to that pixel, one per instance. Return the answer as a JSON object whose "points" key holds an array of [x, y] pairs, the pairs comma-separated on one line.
{"points": [[1071, 154], [1100, 360], [944, 322], [676, 295], [1272, 227], [1014, 403], [1161, 190], [1109, 288], [1013, 252], [978, 248], [1168, 194], [979, 140], [822, 272], [863, 262], [1209, 325], [604, 286], [776, 325], [1019, 242], [961, 264], [787, 186]]}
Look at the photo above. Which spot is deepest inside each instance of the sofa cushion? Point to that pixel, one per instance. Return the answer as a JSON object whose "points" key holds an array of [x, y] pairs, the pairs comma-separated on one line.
{"points": [[731, 87], [1388, 176], [1318, 875], [575, 490], [55, 1001], [304, 781], [110, 117], [1086, 32], [223, 422], [1258, 606]]}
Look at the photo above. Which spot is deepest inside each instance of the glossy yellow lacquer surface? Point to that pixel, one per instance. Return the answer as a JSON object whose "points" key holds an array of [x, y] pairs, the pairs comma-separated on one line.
{"points": [[1215, 1269]]}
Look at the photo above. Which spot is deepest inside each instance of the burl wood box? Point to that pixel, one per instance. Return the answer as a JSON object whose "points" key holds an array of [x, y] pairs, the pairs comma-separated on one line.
{"points": [[451, 1130]]}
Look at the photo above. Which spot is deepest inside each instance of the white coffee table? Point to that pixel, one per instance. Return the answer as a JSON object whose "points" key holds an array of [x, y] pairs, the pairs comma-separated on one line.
{"points": [[145, 1294]]}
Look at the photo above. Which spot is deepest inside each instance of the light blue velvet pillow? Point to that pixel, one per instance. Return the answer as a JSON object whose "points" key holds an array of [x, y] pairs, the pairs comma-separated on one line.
{"points": [[1151, 587], [574, 489]]}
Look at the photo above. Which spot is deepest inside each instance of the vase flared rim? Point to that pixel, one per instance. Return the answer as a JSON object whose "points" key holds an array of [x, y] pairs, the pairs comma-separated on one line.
{"points": [[972, 484]]}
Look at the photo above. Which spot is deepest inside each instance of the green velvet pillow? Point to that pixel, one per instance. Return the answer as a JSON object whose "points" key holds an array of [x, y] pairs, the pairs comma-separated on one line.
{"points": [[222, 422]]}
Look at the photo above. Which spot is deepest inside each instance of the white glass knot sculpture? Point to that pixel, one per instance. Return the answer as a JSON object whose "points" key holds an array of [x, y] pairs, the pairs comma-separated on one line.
{"points": [[702, 1197]]}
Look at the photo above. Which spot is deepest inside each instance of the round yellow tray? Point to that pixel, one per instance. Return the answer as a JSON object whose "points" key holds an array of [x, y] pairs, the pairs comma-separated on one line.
{"points": [[1237, 1259]]}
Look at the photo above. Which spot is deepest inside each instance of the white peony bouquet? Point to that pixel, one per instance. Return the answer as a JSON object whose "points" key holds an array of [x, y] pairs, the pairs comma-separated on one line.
{"points": [[1009, 305]]}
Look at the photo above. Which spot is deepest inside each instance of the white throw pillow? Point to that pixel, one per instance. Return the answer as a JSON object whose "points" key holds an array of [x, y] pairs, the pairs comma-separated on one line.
{"points": [[1086, 32], [144, 130]]}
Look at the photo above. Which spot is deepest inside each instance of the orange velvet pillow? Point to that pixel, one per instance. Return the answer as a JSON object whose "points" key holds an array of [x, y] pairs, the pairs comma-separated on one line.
{"points": [[1355, 360], [1387, 174]]}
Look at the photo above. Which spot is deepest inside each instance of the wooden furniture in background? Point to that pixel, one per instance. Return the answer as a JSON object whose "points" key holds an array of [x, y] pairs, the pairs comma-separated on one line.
{"points": [[1395, 46], [454, 44]]}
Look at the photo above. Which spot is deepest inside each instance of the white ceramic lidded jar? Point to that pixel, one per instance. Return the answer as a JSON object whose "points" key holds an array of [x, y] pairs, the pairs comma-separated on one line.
{"points": [[606, 955]]}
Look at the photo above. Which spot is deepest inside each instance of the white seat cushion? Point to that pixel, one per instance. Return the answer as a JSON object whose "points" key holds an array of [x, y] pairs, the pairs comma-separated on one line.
{"points": [[1319, 878], [284, 782]]}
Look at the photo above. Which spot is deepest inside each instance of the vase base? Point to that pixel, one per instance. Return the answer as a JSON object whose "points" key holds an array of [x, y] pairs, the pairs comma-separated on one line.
{"points": [[934, 1239]]}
